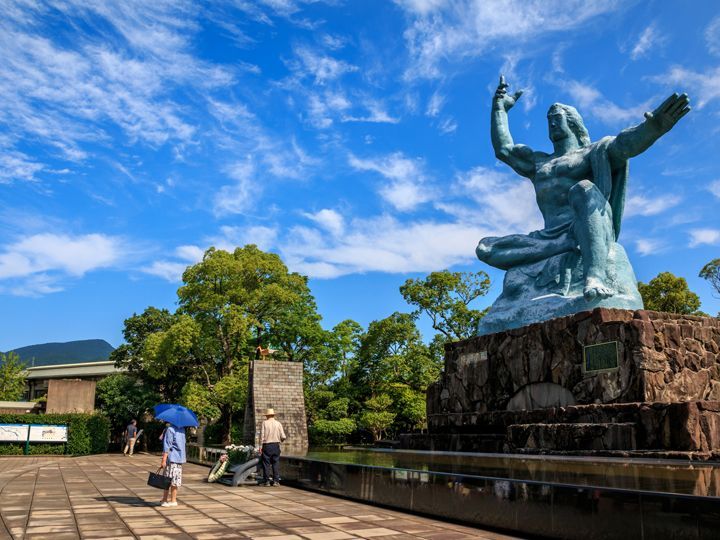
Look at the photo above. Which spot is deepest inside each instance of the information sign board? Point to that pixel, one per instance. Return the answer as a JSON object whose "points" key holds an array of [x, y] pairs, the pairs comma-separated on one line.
{"points": [[13, 432], [48, 433]]}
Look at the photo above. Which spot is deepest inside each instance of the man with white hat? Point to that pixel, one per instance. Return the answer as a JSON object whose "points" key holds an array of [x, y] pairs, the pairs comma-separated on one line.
{"points": [[271, 435]]}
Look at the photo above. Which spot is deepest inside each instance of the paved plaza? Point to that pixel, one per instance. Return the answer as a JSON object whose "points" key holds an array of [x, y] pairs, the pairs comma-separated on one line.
{"points": [[106, 496]]}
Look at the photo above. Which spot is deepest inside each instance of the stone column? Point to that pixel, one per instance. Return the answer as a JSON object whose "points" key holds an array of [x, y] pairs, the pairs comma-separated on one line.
{"points": [[277, 385]]}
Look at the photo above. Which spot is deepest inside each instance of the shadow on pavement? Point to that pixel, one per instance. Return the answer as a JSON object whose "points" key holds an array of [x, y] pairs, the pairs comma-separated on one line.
{"points": [[129, 501]]}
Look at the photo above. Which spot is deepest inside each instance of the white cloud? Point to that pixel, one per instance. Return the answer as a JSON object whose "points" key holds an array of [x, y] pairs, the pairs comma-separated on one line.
{"points": [[239, 196], [649, 246], [322, 68], [376, 114], [704, 236], [590, 101], [712, 36], [328, 219], [109, 66], [190, 253], [230, 237], [502, 203], [407, 188], [73, 255], [643, 205], [440, 32], [714, 188], [649, 39], [705, 85], [435, 104], [35, 264], [481, 202], [447, 125], [17, 166], [167, 270], [380, 244]]}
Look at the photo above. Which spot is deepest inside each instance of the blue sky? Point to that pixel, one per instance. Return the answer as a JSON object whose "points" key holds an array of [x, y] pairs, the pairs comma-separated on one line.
{"points": [[352, 138]]}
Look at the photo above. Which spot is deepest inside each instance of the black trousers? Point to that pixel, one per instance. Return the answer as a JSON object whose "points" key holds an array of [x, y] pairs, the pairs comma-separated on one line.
{"points": [[271, 456]]}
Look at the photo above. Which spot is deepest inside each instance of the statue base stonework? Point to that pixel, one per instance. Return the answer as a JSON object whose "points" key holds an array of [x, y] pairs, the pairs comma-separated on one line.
{"points": [[607, 381]]}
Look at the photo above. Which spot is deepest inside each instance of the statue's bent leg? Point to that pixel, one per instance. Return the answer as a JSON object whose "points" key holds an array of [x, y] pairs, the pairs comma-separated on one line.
{"points": [[594, 232], [517, 249]]}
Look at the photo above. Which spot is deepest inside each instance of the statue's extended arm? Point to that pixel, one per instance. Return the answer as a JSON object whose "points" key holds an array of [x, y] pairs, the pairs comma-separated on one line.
{"points": [[635, 140], [518, 156]]}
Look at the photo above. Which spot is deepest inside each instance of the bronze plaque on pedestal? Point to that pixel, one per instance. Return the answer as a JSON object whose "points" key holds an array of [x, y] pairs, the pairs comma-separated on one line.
{"points": [[600, 357]]}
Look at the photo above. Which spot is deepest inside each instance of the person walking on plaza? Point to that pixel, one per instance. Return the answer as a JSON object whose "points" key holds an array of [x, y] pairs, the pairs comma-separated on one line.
{"points": [[131, 432], [271, 435], [172, 459]]}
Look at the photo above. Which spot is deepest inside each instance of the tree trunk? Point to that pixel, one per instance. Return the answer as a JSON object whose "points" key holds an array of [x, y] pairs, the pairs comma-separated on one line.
{"points": [[226, 423]]}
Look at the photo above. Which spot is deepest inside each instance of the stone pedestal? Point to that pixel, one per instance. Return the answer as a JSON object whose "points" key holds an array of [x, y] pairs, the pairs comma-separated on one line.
{"points": [[278, 386], [544, 387]]}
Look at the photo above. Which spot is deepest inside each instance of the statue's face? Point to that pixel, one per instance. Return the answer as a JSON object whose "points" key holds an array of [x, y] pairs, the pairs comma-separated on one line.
{"points": [[558, 128]]}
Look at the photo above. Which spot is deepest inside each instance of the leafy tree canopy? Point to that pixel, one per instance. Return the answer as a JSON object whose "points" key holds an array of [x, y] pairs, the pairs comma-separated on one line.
{"points": [[670, 293], [711, 273], [123, 397], [12, 377], [444, 297]]}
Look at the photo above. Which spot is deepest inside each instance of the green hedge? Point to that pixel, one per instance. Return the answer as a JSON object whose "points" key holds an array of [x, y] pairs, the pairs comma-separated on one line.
{"points": [[331, 432], [11, 449], [87, 433]]}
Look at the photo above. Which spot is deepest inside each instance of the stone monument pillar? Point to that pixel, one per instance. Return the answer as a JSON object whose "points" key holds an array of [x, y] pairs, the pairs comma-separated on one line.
{"points": [[277, 385]]}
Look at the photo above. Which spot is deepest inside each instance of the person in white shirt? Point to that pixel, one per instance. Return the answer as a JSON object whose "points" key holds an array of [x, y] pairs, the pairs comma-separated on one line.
{"points": [[271, 435]]}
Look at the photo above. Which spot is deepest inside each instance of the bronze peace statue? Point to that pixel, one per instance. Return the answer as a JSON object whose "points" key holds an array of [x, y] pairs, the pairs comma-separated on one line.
{"points": [[574, 263]]}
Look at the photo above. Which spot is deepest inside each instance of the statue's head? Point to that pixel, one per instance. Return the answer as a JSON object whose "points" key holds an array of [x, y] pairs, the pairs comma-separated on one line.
{"points": [[565, 121]]}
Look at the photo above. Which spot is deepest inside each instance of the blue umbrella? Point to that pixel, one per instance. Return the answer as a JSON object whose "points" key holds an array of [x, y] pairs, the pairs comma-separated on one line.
{"points": [[177, 415]]}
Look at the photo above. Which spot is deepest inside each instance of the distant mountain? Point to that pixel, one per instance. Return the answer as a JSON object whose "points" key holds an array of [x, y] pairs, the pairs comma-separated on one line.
{"points": [[72, 352]]}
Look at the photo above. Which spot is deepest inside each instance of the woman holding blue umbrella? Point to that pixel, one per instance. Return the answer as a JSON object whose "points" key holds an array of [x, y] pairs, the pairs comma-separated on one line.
{"points": [[178, 418]]}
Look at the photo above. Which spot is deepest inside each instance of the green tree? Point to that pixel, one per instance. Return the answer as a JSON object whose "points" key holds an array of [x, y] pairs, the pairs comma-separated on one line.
{"points": [[377, 417], [410, 408], [670, 293], [240, 300], [392, 352], [130, 355], [12, 377], [123, 397], [345, 340], [445, 297], [711, 273]]}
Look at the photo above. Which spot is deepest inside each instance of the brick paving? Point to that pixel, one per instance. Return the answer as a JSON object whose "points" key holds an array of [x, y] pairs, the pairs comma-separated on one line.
{"points": [[106, 497]]}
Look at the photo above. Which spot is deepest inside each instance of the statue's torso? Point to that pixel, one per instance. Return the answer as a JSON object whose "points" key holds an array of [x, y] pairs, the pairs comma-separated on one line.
{"points": [[554, 176]]}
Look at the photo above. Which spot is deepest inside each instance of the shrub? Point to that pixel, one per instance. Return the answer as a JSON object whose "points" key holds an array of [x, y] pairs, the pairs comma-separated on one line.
{"points": [[87, 433], [11, 449], [41, 448], [326, 432]]}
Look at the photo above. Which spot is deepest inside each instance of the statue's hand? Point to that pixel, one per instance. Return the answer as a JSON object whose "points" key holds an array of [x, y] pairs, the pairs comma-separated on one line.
{"points": [[502, 99], [668, 113]]}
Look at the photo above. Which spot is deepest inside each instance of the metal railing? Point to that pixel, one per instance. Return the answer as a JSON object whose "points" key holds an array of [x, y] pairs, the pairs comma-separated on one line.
{"points": [[203, 455]]}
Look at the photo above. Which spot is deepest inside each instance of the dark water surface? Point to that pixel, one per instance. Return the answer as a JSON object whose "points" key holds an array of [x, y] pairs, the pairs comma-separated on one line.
{"points": [[659, 476]]}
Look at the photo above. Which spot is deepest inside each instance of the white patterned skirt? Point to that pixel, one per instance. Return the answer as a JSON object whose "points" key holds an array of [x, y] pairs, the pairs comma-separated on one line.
{"points": [[174, 472]]}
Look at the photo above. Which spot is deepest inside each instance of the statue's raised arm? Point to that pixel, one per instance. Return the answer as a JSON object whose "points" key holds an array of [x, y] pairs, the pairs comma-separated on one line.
{"points": [[518, 156], [635, 140]]}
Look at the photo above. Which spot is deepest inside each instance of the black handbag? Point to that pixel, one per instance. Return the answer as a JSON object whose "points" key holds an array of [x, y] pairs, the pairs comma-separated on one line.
{"points": [[157, 480]]}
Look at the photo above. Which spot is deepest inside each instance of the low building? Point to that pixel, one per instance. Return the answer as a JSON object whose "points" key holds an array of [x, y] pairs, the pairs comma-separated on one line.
{"points": [[39, 377]]}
